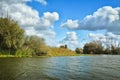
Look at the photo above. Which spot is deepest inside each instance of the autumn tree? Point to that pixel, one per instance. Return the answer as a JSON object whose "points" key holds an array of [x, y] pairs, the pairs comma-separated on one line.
{"points": [[11, 35], [37, 44]]}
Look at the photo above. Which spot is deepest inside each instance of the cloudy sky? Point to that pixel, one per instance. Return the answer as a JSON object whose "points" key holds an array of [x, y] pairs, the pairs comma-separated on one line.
{"points": [[72, 22]]}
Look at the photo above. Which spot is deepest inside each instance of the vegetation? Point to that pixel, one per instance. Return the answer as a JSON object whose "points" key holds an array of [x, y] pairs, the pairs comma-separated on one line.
{"points": [[11, 35], [94, 47], [37, 44], [14, 43], [64, 46], [54, 51], [78, 50]]}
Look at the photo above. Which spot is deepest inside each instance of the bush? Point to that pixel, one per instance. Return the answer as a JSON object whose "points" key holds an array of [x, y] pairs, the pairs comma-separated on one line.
{"points": [[94, 47], [78, 50], [11, 35], [24, 52]]}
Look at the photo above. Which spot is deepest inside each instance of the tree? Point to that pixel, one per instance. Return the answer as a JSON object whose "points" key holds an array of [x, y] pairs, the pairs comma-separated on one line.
{"points": [[78, 50], [64, 46], [94, 47], [112, 45], [11, 35], [37, 44]]}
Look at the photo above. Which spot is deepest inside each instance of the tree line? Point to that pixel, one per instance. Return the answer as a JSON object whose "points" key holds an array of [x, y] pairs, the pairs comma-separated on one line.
{"points": [[111, 46], [13, 40]]}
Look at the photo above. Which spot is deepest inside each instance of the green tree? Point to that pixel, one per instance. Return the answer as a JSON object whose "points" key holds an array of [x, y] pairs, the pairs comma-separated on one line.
{"points": [[94, 47], [115, 50], [37, 44], [78, 50], [64, 46], [11, 35]]}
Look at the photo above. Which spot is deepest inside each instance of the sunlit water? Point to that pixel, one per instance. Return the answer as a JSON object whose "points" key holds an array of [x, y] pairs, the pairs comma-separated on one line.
{"points": [[61, 68]]}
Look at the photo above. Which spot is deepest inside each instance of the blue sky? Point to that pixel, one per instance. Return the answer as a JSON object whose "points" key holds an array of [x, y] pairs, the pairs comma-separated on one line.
{"points": [[73, 9], [72, 22]]}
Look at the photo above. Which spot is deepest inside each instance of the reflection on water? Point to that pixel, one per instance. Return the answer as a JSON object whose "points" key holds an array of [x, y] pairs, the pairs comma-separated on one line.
{"points": [[61, 68]]}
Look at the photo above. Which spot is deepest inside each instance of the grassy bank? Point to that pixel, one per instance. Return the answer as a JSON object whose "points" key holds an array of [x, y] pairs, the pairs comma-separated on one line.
{"points": [[53, 52], [8, 55], [63, 52]]}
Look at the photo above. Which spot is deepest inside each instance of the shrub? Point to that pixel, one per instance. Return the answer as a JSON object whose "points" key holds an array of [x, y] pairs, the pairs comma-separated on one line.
{"points": [[24, 52]]}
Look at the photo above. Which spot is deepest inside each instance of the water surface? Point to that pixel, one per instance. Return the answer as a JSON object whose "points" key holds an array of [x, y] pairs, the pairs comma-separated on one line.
{"points": [[61, 68]]}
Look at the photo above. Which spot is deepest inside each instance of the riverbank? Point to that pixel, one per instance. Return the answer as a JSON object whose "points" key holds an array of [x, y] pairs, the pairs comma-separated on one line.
{"points": [[7, 55], [53, 52], [15, 56]]}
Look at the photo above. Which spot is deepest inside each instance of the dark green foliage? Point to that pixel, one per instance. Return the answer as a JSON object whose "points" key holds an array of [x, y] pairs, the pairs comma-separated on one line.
{"points": [[64, 46], [25, 51], [37, 44], [78, 50], [93, 48], [13, 41], [107, 51], [115, 50], [11, 35]]}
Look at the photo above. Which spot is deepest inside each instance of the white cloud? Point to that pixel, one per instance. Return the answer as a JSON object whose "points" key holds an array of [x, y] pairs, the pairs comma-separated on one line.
{"points": [[104, 36], [25, 15], [71, 40], [98, 36], [71, 24], [71, 36], [42, 1], [107, 18], [46, 33], [47, 20], [111, 35], [29, 19], [30, 31], [108, 38], [104, 18], [14, 1]]}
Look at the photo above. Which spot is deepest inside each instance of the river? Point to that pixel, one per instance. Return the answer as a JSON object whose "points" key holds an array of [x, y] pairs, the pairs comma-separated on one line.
{"points": [[102, 67]]}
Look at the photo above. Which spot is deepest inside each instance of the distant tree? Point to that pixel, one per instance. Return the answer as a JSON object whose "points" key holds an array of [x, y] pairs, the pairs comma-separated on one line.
{"points": [[11, 35], [64, 46], [115, 50], [94, 47], [107, 51], [112, 45], [78, 50]]}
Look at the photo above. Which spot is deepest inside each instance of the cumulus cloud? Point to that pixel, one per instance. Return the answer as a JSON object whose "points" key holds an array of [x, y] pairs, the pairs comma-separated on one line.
{"points": [[105, 37], [99, 36], [107, 18], [14, 1], [46, 33], [71, 40], [71, 24], [44, 2], [28, 18], [47, 20], [24, 14]]}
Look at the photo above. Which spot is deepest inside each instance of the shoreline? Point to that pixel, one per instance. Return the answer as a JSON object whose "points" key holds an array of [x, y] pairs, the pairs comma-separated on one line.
{"points": [[15, 56]]}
